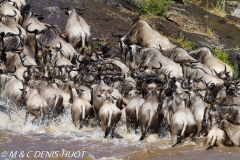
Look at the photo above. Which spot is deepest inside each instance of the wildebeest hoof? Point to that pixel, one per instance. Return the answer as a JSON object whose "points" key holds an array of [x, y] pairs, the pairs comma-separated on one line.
{"points": [[179, 139], [204, 125], [210, 147], [136, 132]]}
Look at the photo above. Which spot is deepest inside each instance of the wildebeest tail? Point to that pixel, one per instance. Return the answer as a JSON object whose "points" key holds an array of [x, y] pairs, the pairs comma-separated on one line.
{"points": [[183, 128], [83, 116], [108, 127]]}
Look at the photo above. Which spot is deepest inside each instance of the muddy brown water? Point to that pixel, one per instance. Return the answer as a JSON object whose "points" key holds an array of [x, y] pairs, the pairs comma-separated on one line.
{"points": [[62, 140]]}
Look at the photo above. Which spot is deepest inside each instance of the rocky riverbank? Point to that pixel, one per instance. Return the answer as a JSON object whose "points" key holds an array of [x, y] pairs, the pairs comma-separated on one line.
{"points": [[190, 22]]}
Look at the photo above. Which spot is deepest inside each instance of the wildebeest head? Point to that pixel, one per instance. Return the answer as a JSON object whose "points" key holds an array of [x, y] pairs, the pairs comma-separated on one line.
{"points": [[133, 35], [69, 10]]}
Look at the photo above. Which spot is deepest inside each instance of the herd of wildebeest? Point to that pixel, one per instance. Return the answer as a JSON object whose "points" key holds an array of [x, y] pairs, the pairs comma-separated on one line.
{"points": [[149, 82]]}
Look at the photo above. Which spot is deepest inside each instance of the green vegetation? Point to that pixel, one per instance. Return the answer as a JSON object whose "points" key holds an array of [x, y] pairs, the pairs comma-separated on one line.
{"points": [[223, 56], [95, 46], [153, 7], [188, 45]]}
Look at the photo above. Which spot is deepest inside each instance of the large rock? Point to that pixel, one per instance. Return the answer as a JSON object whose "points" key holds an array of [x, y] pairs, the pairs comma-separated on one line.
{"points": [[134, 2], [233, 8], [181, 18]]}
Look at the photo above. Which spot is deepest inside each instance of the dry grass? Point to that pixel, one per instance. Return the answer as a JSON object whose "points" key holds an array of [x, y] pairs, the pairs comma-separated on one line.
{"points": [[197, 2], [219, 9]]}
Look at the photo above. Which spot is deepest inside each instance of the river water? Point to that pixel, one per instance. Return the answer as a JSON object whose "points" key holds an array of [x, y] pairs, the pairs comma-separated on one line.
{"points": [[62, 140]]}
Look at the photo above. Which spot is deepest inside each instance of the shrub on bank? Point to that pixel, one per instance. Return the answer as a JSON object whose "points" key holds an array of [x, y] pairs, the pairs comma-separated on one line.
{"points": [[153, 7], [223, 56]]}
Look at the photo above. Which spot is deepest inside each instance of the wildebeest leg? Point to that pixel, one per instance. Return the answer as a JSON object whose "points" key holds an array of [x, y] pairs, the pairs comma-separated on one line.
{"points": [[74, 41], [144, 134], [207, 141], [113, 128], [204, 124], [136, 127], [213, 140], [89, 42], [199, 128], [175, 129], [191, 136], [107, 130], [220, 143], [36, 114], [83, 40], [82, 123], [76, 119], [27, 113], [176, 140], [160, 119], [169, 135], [128, 124], [43, 118], [46, 113]]}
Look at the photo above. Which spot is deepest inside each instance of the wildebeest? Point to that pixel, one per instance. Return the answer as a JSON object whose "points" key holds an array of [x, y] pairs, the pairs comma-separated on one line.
{"points": [[142, 33], [206, 57]]}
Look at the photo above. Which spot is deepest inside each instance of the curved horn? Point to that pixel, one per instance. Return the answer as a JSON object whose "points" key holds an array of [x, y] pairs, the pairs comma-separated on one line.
{"points": [[197, 61], [38, 15], [27, 78], [12, 34], [15, 13], [34, 31], [59, 48], [60, 5], [174, 59], [218, 74], [159, 66], [80, 61], [199, 79], [82, 10], [184, 87], [117, 35], [169, 74], [160, 47], [133, 75]]}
